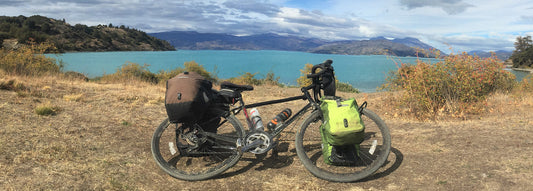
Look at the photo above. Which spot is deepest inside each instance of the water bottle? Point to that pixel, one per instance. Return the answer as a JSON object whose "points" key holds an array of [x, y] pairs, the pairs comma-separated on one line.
{"points": [[257, 123], [280, 118]]}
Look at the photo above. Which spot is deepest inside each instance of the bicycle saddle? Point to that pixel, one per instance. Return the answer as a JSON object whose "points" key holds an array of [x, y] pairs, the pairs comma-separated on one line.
{"points": [[235, 87]]}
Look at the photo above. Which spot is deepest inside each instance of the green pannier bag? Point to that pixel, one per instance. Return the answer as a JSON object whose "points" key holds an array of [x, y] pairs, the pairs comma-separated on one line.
{"points": [[340, 155], [341, 132], [342, 122]]}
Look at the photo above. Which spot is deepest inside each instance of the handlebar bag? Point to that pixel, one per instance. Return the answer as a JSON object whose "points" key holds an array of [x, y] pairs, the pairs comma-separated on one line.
{"points": [[342, 122], [187, 97]]}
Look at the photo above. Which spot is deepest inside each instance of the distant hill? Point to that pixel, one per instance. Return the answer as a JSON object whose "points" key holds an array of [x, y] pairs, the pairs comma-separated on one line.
{"points": [[21, 29], [413, 42], [501, 54], [191, 40], [371, 47]]}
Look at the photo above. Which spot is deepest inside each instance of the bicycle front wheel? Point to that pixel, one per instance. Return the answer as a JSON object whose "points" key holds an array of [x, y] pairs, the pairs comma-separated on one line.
{"points": [[373, 151], [187, 152]]}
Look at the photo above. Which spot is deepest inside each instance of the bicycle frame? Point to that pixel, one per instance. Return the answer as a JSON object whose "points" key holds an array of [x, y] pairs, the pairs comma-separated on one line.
{"points": [[278, 130]]}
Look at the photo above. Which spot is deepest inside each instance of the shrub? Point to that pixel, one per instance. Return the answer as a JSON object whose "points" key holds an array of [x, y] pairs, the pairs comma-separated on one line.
{"points": [[455, 84], [271, 79], [526, 85], [191, 66], [73, 97], [132, 72], [29, 60], [135, 72], [250, 79], [12, 85], [47, 109], [345, 87], [303, 81], [75, 76], [246, 78]]}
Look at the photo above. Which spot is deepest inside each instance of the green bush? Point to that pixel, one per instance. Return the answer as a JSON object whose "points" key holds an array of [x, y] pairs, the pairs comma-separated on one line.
{"points": [[47, 109], [455, 84]]}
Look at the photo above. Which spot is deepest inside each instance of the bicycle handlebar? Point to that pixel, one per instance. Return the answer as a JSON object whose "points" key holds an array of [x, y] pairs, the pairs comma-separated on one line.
{"points": [[316, 74], [322, 66]]}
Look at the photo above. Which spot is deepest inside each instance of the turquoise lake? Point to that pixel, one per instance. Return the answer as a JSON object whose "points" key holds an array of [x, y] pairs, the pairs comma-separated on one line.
{"points": [[362, 71]]}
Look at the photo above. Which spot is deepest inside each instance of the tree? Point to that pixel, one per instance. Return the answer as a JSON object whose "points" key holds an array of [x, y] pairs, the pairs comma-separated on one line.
{"points": [[523, 54], [522, 43]]}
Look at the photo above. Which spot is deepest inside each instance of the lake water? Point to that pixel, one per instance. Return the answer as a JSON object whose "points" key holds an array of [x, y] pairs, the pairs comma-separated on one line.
{"points": [[362, 71]]}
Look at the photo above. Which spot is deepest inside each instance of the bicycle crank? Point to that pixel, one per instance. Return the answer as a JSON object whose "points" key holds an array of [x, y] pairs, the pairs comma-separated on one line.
{"points": [[258, 142]]}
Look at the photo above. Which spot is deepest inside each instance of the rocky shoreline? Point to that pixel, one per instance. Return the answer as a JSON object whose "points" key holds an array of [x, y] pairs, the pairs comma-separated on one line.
{"points": [[530, 70]]}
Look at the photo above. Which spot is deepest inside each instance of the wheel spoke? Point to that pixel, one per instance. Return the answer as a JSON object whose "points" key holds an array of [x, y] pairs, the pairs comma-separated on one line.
{"points": [[201, 154], [376, 135]]}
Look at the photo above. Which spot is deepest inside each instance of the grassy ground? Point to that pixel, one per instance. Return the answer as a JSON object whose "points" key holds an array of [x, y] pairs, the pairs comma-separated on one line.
{"points": [[99, 139]]}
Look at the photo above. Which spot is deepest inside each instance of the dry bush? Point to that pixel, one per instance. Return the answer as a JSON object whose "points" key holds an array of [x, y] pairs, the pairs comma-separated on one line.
{"points": [[29, 60], [47, 109], [456, 85], [12, 85]]}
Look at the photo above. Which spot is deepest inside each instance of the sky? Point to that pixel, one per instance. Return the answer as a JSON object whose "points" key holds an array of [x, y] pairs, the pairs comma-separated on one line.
{"points": [[449, 25]]}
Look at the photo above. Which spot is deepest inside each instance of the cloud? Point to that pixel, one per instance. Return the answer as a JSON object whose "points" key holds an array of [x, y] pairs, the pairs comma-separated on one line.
{"points": [[250, 6], [526, 19], [336, 20], [452, 7], [468, 42], [12, 2]]}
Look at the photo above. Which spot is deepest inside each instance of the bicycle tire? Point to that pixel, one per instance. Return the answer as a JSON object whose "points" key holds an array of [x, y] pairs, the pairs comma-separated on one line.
{"points": [[309, 149], [213, 160]]}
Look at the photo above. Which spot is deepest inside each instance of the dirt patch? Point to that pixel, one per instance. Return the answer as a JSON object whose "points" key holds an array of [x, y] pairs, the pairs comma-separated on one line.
{"points": [[100, 140]]}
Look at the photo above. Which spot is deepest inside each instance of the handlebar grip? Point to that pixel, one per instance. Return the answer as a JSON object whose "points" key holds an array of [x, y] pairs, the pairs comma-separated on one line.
{"points": [[327, 63], [322, 66], [314, 75]]}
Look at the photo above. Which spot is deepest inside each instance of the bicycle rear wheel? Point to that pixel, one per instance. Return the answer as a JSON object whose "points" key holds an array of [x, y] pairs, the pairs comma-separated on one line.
{"points": [[186, 151], [373, 152]]}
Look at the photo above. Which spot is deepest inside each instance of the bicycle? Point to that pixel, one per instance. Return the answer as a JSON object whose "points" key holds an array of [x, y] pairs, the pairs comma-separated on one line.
{"points": [[188, 151]]}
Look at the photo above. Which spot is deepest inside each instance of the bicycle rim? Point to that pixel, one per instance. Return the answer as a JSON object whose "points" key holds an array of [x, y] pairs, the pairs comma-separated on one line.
{"points": [[176, 152], [373, 152]]}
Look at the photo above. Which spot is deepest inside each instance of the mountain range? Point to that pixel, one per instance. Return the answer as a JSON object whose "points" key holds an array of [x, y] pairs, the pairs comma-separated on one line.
{"points": [[82, 38], [501, 54], [192, 40]]}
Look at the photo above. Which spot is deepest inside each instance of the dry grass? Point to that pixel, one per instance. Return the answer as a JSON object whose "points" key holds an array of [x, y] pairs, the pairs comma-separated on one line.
{"points": [[101, 141]]}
